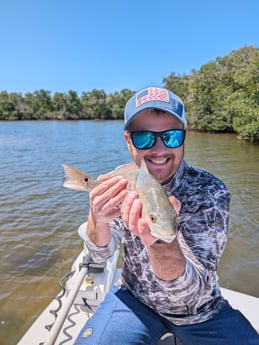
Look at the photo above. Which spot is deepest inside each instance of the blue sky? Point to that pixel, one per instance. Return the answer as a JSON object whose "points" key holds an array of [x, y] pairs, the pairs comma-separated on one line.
{"points": [[81, 45]]}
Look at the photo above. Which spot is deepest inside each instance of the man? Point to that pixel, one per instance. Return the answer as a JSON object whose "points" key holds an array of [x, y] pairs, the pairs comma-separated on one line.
{"points": [[166, 287]]}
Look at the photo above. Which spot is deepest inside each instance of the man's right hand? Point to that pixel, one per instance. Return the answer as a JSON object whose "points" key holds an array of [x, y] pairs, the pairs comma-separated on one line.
{"points": [[106, 198]]}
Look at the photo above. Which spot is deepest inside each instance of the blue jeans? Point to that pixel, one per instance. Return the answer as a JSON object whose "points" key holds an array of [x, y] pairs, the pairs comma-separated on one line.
{"points": [[121, 319]]}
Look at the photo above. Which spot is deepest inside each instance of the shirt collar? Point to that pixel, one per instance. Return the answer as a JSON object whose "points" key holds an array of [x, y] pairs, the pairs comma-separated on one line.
{"points": [[176, 179]]}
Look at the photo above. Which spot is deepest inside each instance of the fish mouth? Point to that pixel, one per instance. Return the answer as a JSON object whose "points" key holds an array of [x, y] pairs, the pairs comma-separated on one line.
{"points": [[165, 236]]}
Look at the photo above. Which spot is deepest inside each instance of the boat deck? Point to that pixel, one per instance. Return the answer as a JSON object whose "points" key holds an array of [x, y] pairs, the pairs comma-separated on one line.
{"points": [[83, 294]]}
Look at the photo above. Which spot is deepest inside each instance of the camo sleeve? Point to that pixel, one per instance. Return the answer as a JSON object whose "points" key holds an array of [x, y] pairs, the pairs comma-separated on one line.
{"points": [[202, 237], [204, 216], [100, 254], [202, 234]]}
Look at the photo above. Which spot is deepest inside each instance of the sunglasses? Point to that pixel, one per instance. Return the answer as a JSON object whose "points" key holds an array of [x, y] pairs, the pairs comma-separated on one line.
{"points": [[172, 138]]}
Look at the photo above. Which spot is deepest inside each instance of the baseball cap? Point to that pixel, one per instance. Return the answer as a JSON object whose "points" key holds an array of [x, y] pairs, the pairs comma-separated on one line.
{"points": [[154, 98]]}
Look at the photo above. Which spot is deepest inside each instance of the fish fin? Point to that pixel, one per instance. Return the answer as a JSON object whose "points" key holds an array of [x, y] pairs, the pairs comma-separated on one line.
{"points": [[143, 166], [77, 180]]}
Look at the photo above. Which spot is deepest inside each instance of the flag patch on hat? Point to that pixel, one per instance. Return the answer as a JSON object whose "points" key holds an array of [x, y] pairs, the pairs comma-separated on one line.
{"points": [[152, 94]]}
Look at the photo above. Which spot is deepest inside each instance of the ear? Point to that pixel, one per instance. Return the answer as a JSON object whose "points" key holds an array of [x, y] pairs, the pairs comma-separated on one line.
{"points": [[128, 140]]}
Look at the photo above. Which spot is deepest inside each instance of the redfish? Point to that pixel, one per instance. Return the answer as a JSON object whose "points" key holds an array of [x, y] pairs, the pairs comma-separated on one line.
{"points": [[156, 208]]}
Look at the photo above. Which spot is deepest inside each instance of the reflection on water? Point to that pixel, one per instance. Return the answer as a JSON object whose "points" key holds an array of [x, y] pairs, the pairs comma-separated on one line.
{"points": [[39, 218]]}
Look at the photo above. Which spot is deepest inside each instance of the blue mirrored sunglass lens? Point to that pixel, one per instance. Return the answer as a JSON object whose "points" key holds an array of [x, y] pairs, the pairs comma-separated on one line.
{"points": [[143, 140], [173, 139]]}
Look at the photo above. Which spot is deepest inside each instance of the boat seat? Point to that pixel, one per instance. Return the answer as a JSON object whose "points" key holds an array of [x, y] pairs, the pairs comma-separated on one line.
{"points": [[169, 339]]}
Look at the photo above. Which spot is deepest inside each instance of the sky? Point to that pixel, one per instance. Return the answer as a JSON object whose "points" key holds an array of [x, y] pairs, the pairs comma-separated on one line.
{"points": [[110, 45]]}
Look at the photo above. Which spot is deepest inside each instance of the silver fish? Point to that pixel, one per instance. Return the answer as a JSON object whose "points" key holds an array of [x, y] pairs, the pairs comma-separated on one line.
{"points": [[156, 208]]}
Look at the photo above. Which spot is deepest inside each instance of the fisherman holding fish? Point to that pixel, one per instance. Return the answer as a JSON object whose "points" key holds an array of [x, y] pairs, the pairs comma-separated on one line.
{"points": [[169, 279]]}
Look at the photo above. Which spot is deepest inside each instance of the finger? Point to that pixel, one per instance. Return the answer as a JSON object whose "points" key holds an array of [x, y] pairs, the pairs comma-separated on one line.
{"points": [[127, 205], [144, 233], [117, 200], [109, 185], [107, 190], [115, 189], [134, 216], [104, 177], [107, 211]]}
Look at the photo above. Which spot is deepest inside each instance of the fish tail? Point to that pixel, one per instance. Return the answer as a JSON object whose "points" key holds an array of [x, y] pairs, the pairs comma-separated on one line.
{"points": [[77, 180]]}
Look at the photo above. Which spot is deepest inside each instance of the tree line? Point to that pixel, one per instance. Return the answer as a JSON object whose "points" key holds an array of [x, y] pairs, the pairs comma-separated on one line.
{"points": [[222, 96]]}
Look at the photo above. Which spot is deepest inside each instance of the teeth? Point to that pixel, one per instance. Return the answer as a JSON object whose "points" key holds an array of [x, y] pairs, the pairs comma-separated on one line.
{"points": [[159, 161]]}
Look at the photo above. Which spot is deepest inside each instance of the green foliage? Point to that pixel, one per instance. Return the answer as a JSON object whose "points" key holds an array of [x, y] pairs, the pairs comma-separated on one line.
{"points": [[222, 96], [39, 104], [11, 106]]}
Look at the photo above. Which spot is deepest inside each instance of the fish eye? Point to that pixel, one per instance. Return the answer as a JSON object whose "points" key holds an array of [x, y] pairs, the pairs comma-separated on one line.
{"points": [[153, 218]]}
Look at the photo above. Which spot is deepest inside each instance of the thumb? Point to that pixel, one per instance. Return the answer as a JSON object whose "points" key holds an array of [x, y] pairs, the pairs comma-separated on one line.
{"points": [[144, 233]]}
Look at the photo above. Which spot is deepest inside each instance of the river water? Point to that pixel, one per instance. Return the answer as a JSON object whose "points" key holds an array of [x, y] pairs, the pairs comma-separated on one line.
{"points": [[39, 218]]}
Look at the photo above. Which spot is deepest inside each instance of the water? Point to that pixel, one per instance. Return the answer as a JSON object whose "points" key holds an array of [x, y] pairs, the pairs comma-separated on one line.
{"points": [[39, 218]]}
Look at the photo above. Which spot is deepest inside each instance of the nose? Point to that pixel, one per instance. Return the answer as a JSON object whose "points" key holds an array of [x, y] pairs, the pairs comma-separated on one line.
{"points": [[159, 145]]}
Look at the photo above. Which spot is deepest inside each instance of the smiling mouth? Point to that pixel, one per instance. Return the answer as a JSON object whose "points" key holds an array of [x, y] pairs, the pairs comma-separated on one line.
{"points": [[158, 161]]}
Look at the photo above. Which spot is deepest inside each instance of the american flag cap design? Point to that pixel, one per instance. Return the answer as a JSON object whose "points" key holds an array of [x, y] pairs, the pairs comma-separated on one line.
{"points": [[154, 98]]}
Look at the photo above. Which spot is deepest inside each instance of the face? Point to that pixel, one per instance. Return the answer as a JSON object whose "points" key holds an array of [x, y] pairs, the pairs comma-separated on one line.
{"points": [[162, 162]]}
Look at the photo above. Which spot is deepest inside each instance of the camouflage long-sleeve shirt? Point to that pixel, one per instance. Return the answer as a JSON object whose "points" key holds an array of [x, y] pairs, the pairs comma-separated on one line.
{"points": [[202, 232]]}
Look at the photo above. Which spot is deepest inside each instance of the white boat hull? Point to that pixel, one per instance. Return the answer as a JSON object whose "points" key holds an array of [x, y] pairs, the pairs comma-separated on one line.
{"points": [[74, 312]]}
